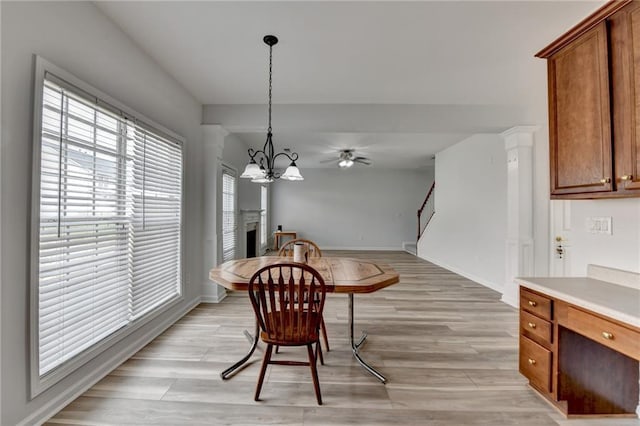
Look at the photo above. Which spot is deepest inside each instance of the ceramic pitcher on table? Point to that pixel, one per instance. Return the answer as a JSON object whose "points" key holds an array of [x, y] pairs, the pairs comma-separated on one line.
{"points": [[300, 253]]}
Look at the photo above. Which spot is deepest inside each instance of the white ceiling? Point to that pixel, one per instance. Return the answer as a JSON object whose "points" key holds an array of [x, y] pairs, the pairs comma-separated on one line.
{"points": [[371, 64]]}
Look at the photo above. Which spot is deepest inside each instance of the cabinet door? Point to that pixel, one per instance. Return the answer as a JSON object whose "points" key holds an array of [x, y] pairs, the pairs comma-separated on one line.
{"points": [[625, 68], [579, 116]]}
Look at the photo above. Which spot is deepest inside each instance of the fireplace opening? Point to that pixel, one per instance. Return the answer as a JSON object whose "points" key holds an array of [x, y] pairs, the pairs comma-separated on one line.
{"points": [[251, 243]]}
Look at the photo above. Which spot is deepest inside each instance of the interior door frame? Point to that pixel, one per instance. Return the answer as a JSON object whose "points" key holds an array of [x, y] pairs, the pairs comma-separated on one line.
{"points": [[560, 227]]}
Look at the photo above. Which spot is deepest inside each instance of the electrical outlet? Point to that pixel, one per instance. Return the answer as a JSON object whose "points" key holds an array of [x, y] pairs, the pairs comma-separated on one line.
{"points": [[599, 225]]}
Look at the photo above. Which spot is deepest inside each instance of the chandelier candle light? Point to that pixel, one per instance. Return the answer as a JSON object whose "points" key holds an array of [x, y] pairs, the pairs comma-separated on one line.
{"points": [[264, 172]]}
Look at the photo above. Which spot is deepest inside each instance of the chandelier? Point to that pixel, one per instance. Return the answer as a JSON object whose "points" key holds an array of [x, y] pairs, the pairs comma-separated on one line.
{"points": [[261, 167]]}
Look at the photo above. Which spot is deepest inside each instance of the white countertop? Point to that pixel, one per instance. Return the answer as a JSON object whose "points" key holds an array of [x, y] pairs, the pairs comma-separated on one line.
{"points": [[612, 300]]}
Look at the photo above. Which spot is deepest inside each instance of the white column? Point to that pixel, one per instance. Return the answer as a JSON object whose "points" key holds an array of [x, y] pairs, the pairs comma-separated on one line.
{"points": [[213, 141], [518, 142], [0, 270]]}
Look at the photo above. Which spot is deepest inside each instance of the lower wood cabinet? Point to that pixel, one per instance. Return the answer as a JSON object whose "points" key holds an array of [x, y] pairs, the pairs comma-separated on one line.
{"points": [[581, 361], [535, 303], [536, 329], [535, 364]]}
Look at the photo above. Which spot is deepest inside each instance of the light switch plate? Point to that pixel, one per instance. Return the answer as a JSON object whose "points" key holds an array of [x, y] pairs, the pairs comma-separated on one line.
{"points": [[599, 225]]}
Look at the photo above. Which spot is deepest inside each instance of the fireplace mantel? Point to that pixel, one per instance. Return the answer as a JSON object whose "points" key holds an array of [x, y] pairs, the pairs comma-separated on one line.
{"points": [[250, 215]]}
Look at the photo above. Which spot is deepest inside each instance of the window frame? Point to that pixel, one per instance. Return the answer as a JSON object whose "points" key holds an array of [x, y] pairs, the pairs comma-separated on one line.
{"points": [[39, 384], [232, 171], [264, 214]]}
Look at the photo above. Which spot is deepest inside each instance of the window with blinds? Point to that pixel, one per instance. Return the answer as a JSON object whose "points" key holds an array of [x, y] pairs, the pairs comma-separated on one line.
{"points": [[263, 215], [110, 218], [229, 226]]}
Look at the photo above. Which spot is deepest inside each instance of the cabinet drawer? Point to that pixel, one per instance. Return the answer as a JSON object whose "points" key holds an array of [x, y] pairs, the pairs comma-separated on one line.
{"points": [[536, 304], [536, 328], [535, 364], [607, 333]]}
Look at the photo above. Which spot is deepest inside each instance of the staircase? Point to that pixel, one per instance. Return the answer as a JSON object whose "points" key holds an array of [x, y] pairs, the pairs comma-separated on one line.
{"points": [[426, 211]]}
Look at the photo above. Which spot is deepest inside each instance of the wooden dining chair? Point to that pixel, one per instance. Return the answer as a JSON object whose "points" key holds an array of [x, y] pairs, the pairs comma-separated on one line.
{"points": [[312, 248], [288, 324], [313, 251]]}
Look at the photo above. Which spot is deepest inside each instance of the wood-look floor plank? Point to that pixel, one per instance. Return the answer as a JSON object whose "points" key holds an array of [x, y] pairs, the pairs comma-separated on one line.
{"points": [[467, 400], [342, 417], [116, 411], [114, 386], [447, 345]]}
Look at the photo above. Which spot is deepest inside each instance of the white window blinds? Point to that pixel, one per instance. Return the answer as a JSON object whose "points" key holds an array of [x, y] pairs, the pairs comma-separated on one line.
{"points": [[263, 215], [229, 228], [83, 227], [109, 222], [155, 185]]}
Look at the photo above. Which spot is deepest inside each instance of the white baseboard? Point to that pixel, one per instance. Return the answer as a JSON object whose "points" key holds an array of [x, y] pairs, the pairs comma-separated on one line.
{"points": [[213, 299], [410, 247], [510, 301], [363, 248], [68, 395], [482, 281]]}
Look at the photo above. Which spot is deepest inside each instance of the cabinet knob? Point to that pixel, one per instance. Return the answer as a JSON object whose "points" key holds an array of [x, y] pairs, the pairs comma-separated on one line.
{"points": [[532, 303], [605, 180], [626, 177], [607, 335], [532, 325], [532, 361]]}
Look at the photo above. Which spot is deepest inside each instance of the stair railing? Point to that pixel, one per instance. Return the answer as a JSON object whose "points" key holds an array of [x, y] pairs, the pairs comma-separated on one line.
{"points": [[426, 211]]}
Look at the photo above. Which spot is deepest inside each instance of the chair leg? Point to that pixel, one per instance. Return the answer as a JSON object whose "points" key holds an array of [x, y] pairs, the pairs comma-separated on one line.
{"points": [[314, 373], [265, 363], [323, 328], [319, 352]]}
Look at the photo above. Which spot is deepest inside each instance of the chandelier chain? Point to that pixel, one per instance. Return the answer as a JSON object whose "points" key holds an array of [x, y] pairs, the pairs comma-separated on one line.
{"points": [[270, 84]]}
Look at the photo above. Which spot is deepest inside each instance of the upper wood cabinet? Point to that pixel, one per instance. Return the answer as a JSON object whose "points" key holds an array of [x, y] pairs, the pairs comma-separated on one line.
{"points": [[594, 105], [579, 117], [625, 77]]}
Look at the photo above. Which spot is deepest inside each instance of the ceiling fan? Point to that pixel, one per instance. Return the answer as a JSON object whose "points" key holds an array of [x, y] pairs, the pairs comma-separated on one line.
{"points": [[347, 158]]}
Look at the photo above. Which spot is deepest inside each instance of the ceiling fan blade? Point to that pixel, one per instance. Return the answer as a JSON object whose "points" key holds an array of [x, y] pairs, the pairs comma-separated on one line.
{"points": [[362, 160]]}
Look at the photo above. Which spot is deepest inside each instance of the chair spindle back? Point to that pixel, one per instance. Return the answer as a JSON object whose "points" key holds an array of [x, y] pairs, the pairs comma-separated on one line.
{"points": [[270, 290]]}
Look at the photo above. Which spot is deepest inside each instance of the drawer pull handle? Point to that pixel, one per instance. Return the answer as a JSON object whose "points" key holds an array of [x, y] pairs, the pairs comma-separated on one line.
{"points": [[605, 181], [532, 303], [607, 335], [532, 361], [626, 177], [532, 325]]}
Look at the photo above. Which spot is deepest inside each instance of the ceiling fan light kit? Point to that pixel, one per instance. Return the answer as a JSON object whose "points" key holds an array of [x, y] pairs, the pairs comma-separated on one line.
{"points": [[347, 159], [345, 164], [261, 167]]}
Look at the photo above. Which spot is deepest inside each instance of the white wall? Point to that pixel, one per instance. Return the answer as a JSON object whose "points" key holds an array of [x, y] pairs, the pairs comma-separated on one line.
{"points": [[75, 36], [1, 145], [467, 234], [620, 250], [356, 208], [541, 204]]}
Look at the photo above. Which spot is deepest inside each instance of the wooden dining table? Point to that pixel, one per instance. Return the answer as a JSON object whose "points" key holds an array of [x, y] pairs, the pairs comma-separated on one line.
{"points": [[341, 275]]}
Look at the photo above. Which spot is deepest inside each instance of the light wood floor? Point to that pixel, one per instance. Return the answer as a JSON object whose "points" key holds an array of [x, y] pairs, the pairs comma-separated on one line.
{"points": [[447, 345]]}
